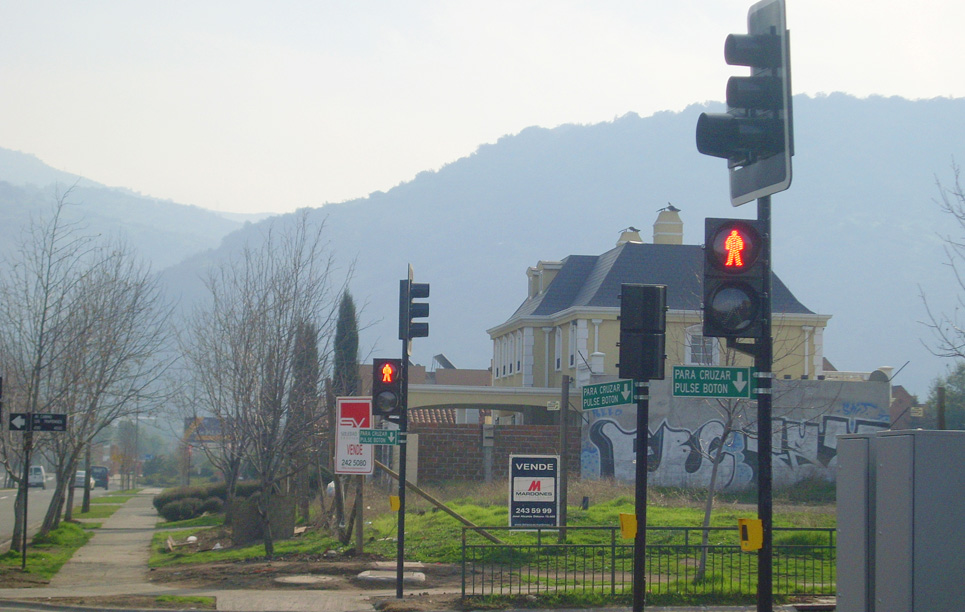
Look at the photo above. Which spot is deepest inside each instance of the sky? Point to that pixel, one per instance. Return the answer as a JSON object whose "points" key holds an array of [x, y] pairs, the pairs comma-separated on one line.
{"points": [[267, 107]]}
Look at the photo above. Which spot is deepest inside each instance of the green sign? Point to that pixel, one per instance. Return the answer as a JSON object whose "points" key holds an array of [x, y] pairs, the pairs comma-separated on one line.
{"points": [[706, 381], [604, 395], [379, 436]]}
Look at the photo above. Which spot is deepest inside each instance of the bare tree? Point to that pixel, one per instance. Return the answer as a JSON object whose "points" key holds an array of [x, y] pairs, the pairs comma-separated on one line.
{"points": [[83, 324], [948, 330], [244, 343]]}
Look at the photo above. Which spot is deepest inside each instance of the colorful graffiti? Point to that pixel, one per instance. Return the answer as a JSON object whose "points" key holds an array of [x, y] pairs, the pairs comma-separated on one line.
{"points": [[677, 456]]}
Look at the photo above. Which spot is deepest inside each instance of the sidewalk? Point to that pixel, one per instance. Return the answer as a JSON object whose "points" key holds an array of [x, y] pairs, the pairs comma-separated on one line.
{"points": [[114, 562]]}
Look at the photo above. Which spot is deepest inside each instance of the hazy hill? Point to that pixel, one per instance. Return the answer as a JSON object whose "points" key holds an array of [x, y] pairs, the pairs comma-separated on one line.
{"points": [[855, 236], [163, 231]]}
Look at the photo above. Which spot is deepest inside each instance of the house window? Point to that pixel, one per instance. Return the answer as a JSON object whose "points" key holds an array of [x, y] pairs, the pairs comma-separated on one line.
{"points": [[701, 350], [505, 343], [559, 348], [519, 351], [512, 349], [573, 344]]}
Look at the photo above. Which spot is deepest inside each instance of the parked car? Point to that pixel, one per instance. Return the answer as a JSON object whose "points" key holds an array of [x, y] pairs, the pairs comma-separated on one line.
{"points": [[80, 477], [37, 477], [101, 475]]}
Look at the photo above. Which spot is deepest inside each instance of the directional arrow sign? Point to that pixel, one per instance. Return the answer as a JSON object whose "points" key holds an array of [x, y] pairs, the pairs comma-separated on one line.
{"points": [[604, 395], [704, 381], [18, 421], [379, 436]]}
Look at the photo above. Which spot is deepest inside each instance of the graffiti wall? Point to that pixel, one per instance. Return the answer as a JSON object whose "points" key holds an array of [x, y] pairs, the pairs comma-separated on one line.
{"points": [[686, 433]]}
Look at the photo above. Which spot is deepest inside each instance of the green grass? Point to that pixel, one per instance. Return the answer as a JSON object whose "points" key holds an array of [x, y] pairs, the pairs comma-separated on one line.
{"points": [[46, 555], [203, 601], [208, 520], [433, 536], [114, 498], [311, 543], [95, 512]]}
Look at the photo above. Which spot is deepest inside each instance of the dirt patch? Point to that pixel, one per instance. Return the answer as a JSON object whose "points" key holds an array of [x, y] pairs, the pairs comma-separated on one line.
{"points": [[13, 578], [124, 601]]}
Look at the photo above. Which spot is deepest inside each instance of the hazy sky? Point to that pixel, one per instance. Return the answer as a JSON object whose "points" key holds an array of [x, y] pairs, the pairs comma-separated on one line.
{"points": [[258, 106]]}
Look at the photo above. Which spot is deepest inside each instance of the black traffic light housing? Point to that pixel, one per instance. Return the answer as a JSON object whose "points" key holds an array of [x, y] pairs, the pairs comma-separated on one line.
{"points": [[409, 310], [643, 324], [734, 267], [756, 135], [387, 388]]}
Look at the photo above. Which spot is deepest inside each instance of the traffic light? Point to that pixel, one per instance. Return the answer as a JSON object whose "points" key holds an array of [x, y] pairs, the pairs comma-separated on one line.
{"points": [[733, 277], [643, 323], [756, 134], [409, 310], [387, 387]]}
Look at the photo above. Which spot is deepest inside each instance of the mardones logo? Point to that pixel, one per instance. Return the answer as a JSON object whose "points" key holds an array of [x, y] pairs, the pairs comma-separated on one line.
{"points": [[534, 486]]}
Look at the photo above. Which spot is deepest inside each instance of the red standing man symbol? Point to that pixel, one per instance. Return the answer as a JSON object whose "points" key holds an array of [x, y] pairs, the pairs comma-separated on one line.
{"points": [[734, 244], [387, 372]]}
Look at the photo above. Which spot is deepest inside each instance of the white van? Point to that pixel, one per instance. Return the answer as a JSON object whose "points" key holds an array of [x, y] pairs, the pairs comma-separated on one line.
{"points": [[37, 477]]}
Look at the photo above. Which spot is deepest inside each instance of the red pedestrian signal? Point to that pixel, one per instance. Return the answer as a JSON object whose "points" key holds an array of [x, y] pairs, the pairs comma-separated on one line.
{"points": [[733, 278], [389, 372], [387, 387]]}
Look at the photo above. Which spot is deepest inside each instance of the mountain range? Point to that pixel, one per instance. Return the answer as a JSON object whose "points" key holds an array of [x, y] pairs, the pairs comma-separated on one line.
{"points": [[859, 234]]}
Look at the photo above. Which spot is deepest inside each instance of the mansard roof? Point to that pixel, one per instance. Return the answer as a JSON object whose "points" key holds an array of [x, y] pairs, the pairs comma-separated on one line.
{"points": [[593, 281]]}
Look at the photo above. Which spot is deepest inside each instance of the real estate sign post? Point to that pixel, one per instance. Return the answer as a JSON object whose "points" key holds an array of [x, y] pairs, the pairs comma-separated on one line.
{"points": [[351, 456], [533, 486]]}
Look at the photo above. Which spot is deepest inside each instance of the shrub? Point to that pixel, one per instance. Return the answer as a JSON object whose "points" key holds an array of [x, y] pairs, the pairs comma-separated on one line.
{"points": [[169, 495], [181, 509], [247, 488], [212, 505], [211, 496]]}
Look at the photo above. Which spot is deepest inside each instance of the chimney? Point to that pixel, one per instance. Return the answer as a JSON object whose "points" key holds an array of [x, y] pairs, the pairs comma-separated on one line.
{"points": [[668, 228], [631, 234]]}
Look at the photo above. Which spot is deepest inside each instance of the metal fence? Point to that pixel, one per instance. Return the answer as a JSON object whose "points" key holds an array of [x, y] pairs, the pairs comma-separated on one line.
{"points": [[598, 560]]}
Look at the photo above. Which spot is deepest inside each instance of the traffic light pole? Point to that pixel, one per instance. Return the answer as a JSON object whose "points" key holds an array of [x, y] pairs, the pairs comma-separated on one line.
{"points": [[403, 427], [642, 395], [764, 362]]}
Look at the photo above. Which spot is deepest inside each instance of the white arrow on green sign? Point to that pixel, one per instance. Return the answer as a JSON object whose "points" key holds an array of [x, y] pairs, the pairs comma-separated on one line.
{"points": [[379, 436], [604, 395], [707, 381]]}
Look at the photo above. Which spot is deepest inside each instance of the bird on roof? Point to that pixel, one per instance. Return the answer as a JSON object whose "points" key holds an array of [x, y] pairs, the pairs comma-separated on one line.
{"points": [[669, 207]]}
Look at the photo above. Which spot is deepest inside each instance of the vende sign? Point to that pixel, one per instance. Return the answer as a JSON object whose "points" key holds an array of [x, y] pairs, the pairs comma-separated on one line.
{"points": [[351, 456], [533, 501]]}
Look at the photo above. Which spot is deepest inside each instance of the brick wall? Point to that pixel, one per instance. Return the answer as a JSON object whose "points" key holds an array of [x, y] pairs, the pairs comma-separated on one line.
{"points": [[455, 452]]}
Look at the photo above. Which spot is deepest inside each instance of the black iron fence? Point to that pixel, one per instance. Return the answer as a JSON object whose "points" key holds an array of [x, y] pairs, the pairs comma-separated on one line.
{"points": [[678, 562]]}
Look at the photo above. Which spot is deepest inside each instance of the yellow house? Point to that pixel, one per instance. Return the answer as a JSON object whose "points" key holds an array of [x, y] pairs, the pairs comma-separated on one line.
{"points": [[568, 324]]}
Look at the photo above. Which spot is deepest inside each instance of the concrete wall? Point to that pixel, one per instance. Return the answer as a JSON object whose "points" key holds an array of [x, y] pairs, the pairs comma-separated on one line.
{"points": [[807, 417]]}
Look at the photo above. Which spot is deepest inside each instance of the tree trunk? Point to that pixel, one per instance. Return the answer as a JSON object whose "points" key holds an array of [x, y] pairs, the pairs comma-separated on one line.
{"points": [[15, 544], [264, 504], [85, 506], [709, 504]]}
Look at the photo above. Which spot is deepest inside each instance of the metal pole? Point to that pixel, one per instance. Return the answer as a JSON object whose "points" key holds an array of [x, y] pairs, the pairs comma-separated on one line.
{"points": [[403, 427], [642, 395], [28, 442], [564, 436], [763, 361]]}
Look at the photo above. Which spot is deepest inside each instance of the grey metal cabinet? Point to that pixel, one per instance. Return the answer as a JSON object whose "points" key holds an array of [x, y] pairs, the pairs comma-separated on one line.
{"points": [[903, 534]]}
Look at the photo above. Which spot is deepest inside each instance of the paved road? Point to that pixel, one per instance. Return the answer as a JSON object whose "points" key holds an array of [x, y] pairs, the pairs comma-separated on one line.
{"points": [[37, 502]]}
